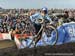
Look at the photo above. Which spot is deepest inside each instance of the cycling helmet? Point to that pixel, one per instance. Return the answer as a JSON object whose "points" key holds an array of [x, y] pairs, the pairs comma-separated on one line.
{"points": [[45, 10]]}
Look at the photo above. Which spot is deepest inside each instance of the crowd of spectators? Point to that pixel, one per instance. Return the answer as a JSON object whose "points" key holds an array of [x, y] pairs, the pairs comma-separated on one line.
{"points": [[18, 20], [18, 24]]}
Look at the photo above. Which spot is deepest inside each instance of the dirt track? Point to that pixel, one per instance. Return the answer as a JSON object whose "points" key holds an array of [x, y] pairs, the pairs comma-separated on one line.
{"points": [[40, 51]]}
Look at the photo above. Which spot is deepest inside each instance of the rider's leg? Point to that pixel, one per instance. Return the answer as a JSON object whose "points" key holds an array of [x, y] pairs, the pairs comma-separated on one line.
{"points": [[37, 27]]}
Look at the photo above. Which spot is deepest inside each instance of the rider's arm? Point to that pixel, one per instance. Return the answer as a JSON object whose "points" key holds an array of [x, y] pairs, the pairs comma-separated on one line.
{"points": [[33, 17], [48, 18]]}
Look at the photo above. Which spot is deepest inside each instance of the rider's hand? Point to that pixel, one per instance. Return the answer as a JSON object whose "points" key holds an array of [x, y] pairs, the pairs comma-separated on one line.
{"points": [[35, 36]]}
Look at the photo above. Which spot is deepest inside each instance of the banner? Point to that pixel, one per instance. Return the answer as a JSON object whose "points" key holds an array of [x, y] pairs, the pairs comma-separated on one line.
{"points": [[5, 36], [21, 43], [23, 35]]}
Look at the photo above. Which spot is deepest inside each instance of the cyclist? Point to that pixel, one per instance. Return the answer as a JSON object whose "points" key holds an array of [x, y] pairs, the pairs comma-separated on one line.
{"points": [[37, 15]]}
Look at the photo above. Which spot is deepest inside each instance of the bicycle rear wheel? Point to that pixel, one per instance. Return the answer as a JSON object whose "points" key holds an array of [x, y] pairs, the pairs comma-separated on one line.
{"points": [[50, 30]]}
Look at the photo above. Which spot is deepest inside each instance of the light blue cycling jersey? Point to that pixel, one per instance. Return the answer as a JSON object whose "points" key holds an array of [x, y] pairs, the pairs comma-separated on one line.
{"points": [[34, 18]]}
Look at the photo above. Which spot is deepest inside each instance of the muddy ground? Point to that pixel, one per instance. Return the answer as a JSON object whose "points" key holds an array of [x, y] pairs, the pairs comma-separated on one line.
{"points": [[39, 51]]}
